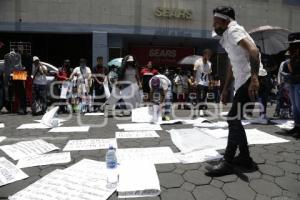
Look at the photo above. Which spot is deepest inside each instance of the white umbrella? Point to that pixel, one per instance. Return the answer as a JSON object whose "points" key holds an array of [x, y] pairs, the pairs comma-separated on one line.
{"points": [[189, 60], [271, 40]]}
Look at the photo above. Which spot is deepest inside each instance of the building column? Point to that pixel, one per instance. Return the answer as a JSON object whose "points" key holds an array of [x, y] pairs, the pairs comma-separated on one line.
{"points": [[100, 46]]}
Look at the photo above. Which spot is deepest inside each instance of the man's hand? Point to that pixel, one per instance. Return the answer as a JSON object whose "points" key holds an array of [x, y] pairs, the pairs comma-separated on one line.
{"points": [[224, 96], [253, 88]]}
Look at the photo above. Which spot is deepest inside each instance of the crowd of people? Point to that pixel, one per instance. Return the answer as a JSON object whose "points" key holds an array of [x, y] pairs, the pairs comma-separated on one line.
{"points": [[126, 86], [88, 89]]}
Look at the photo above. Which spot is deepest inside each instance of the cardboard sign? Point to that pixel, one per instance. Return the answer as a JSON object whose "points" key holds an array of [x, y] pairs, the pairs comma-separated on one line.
{"points": [[20, 75]]}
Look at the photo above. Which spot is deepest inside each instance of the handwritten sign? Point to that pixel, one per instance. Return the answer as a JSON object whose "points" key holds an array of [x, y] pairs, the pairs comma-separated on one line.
{"points": [[9, 172], [45, 159], [27, 148], [156, 155], [90, 144], [136, 134]]}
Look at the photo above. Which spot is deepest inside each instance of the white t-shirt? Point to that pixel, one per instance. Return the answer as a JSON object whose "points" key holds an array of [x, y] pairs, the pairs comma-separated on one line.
{"points": [[165, 83], [202, 71], [39, 78], [81, 76], [239, 57]]}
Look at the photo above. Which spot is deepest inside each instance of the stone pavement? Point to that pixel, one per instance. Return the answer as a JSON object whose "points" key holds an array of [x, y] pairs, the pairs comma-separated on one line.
{"points": [[278, 176]]}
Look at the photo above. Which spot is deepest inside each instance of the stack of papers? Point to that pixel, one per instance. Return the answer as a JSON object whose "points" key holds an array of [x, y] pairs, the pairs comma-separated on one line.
{"points": [[138, 179]]}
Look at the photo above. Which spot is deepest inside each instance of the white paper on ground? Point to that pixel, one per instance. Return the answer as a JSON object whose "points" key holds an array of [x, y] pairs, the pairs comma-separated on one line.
{"points": [[94, 166], [136, 134], [70, 129], [195, 121], [255, 136], [27, 148], [94, 114], [199, 156], [142, 114], [67, 184], [217, 133], [284, 124], [44, 159], [224, 114], [9, 172], [90, 144], [2, 125], [48, 116], [282, 121], [60, 121], [138, 179], [156, 155], [140, 127], [33, 126], [2, 138], [188, 140], [219, 124]]}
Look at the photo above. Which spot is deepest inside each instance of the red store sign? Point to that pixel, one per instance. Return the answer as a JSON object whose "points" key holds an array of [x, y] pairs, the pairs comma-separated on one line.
{"points": [[161, 55]]}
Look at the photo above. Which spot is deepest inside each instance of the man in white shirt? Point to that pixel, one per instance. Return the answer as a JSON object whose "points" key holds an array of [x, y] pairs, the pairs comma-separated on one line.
{"points": [[84, 78], [202, 70], [245, 66]]}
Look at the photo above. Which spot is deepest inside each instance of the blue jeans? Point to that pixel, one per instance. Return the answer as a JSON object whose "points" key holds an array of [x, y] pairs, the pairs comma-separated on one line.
{"points": [[295, 99]]}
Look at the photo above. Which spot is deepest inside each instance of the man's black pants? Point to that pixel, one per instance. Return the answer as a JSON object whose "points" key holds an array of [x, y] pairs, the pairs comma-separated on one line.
{"points": [[237, 136], [201, 96]]}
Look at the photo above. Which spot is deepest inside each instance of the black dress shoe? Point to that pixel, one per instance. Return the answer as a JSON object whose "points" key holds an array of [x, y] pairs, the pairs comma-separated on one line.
{"points": [[221, 169], [245, 162]]}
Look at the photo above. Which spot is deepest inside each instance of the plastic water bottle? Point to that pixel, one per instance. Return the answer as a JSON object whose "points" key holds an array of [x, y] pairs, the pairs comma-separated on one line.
{"points": [[111, 165]]}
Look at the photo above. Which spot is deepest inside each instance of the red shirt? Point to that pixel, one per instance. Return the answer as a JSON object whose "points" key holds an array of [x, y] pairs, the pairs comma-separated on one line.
{"points": [[63, 74], [146, 71]]}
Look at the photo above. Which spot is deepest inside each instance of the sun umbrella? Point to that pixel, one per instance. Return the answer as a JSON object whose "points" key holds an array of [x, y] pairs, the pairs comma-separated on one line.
{"points": [[117, 62], [271, 40], [189, 60]]}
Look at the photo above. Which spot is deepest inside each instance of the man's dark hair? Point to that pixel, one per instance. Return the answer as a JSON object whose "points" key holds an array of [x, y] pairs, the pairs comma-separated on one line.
{"points": [[207, 51], [225, 10], [99, 58]]}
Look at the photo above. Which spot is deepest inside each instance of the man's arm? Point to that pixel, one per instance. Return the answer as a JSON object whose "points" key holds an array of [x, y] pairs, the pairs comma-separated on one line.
{"points": [[228, 81], [253, 53], [254, 63], [229, 77]]}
